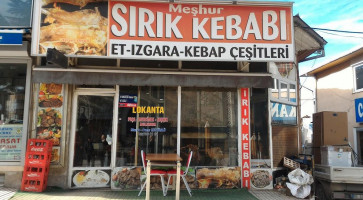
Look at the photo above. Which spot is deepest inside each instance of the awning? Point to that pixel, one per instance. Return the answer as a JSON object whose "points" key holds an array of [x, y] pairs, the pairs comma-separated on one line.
{"points": [[150, 78]]}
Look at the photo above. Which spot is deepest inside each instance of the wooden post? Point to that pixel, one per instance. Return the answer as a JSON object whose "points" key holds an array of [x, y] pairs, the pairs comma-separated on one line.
{"points": [[148, 180]]}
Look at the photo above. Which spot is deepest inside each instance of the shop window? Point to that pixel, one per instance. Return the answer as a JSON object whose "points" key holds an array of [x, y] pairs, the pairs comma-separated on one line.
{"points": [[209, 126], [360, 146], [147, 121], [16, 13], [12, 96], [284, 91], [275, 90], [211, 65], [358, 78], [260, 145], [292, 93]]}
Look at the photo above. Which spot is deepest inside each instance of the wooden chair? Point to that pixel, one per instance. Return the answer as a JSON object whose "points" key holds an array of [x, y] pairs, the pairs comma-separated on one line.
{"points": [[173, 172], [153, 172]]}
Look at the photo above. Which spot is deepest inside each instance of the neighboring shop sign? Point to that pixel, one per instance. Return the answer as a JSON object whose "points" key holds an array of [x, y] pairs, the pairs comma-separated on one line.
{"points": [[283, 114], [11, 37], [127, 100], [245, 126], [50, 109], [359, 110], [10, 142], [168, 31]]}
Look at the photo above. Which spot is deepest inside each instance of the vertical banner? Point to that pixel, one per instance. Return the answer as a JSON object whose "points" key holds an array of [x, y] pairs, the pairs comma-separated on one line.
{"points": [[245, 126], [50, 116]]}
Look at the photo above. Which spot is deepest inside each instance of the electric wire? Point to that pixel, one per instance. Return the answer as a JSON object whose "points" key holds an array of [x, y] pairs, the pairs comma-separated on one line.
{"points": [[341, 35], [332, 30]]}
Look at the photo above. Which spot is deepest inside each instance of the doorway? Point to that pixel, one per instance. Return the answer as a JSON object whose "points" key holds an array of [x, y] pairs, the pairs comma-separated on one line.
{"points": [[91, 139], [360, 146]]}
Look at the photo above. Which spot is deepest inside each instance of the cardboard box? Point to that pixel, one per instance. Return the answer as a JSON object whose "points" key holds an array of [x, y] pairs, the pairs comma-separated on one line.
{"points": [[329, 128], [339, 156]]}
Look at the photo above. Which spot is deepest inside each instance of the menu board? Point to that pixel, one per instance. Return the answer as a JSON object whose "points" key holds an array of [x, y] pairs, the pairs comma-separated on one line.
{"points": [[50, 116], [10, 142]]}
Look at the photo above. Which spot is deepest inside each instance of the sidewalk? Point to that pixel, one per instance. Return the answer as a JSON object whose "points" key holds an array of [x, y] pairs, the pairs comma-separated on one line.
{"points": [[102, 194], [6, 193]]}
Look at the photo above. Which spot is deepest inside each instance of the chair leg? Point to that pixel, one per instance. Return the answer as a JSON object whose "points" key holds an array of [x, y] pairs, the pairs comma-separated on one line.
{"points": [[167, 186], [186, 185], [162, 185], [142, 188]]}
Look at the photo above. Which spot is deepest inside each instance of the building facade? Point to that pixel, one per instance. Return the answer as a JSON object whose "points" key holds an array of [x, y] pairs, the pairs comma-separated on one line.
{"points": [[165, 78], [338, 89]]}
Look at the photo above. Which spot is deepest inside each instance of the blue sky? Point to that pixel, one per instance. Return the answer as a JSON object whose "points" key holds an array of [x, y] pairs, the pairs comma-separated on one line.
{"points": [[332, 14], [344, 15]]}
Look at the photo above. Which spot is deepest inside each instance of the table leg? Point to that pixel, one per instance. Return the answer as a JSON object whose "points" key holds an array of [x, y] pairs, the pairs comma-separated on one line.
{"points": [[177, 190], [148, 180]]}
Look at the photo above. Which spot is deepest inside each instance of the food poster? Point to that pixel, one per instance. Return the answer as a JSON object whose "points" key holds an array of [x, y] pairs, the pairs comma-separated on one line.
{"points": [[50, 116], [226, 177], [190, 178], [10, 142], [73, 27], [91, 178], [125, 178]]}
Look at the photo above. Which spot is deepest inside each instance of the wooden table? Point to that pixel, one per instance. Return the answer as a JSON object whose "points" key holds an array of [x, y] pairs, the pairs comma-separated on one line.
{"points": [[170, 159]]}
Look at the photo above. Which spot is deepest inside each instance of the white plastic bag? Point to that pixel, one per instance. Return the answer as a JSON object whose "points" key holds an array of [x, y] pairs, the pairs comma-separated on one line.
{"points": [[299, 177], [299, 191]]}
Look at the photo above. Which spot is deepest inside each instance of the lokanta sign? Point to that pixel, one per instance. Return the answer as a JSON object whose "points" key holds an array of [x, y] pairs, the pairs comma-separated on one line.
{"points": [[171, 31]]}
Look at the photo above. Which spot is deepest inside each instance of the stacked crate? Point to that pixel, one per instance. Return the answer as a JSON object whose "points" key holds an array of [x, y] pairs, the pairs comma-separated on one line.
{"points": [[36, 167]]}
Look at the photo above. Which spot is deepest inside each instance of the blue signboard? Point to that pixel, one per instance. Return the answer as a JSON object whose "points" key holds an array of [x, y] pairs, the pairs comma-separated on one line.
{"points": [[11, 37], [283, 114], [359, 110]]}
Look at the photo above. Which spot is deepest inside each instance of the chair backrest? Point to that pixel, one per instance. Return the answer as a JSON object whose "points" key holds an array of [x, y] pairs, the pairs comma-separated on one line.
{"points": [[143, 155], [188, 162]]}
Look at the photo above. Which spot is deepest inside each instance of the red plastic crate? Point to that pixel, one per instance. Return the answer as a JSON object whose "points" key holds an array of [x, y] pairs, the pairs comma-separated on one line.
{"points": [[39, 145], [34, 171], [39, 159], [33, 184]]}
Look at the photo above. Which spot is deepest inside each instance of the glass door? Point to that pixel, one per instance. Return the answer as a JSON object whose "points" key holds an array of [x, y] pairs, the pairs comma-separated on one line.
{"points": [[92, 132]]}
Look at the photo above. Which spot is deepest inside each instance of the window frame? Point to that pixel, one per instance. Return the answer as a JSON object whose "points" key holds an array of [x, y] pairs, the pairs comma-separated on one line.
{"points": [[277, 82], [354, 67], [27, 62]]}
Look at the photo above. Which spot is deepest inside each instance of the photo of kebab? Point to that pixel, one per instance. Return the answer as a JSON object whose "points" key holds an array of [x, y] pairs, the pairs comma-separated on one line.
{"points": [[81, 32], [81, 3]]}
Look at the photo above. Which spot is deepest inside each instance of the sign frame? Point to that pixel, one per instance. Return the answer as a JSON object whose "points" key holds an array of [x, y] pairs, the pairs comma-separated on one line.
{"points": [[235, 50]]}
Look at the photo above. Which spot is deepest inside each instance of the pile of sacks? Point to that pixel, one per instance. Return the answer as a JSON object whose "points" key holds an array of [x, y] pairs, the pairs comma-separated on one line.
{"points": [[300, 183]]}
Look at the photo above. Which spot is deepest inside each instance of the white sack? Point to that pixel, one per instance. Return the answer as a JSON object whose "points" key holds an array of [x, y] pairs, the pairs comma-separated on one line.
{"points": [[299, 191], [299, 177]]}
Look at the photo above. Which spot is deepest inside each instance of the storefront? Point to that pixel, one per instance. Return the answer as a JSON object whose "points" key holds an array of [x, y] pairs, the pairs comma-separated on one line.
{"points": [[161, 77], [15, 85]]}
